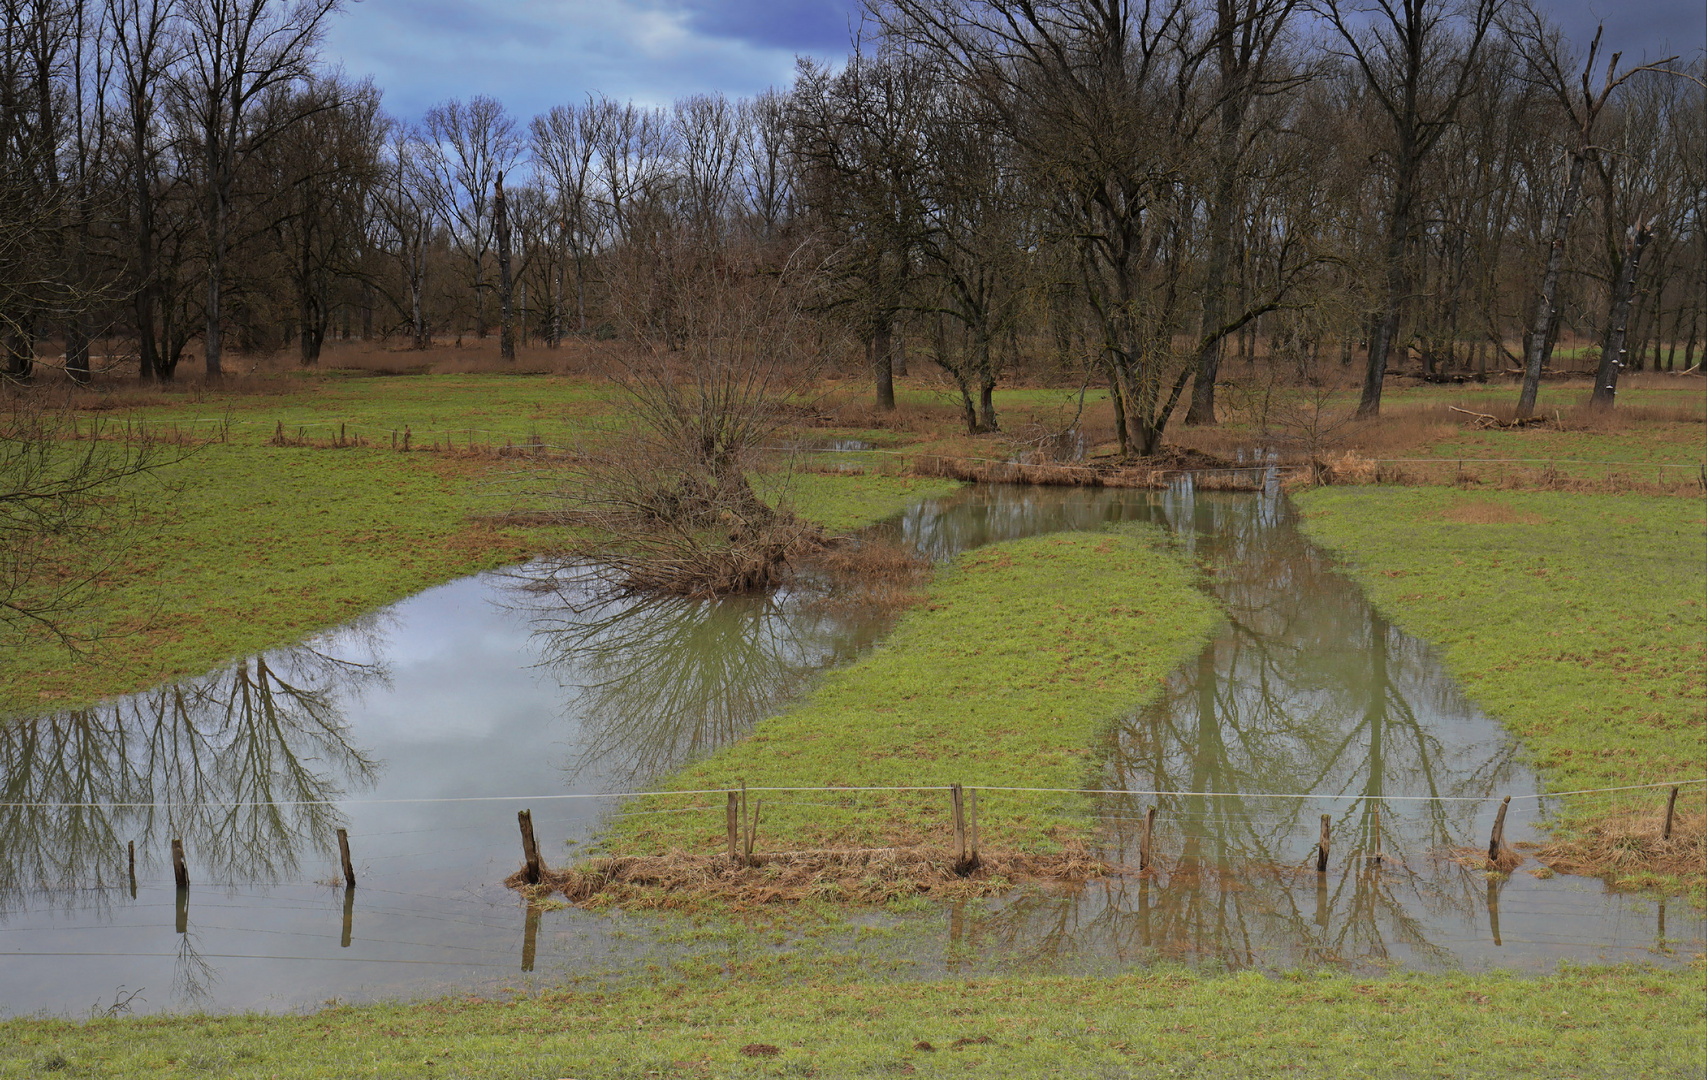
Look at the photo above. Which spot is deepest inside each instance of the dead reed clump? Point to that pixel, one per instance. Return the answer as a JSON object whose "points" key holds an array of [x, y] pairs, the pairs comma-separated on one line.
{"points": [[869, 574], [1632, 844], [863, 875]]}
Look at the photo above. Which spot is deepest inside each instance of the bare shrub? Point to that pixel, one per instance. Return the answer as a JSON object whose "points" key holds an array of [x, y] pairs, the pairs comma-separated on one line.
{"points": [[716, 357]]}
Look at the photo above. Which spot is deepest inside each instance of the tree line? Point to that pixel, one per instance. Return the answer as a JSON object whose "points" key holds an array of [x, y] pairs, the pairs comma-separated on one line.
{"points": [[1151, 196]]}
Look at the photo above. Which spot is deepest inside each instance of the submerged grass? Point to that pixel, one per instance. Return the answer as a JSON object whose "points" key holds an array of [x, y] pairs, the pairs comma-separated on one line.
{"points": [[1578, 621], [1586, 1023], [1003, 676]]}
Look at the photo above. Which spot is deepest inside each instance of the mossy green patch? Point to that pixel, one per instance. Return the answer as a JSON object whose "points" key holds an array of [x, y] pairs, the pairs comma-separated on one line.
{"points": [[1588, 1023], [1578, 621], [1021, 654]]}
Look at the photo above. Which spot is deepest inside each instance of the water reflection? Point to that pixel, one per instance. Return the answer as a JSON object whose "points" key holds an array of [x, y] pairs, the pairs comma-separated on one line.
{"points": [[657, 683], [244, 765]]}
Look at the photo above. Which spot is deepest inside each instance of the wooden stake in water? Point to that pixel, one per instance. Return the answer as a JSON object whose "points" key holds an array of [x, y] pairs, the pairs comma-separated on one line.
{"points": [[130, 850], [344, 857], [180, 872], [1145, 838], [1671, 810], [1322, 848], [530, 850], [1496, 840], [349, 917]]}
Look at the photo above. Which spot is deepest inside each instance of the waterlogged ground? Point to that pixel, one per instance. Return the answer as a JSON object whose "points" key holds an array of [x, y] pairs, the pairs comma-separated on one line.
{"points": [[423, 729]]}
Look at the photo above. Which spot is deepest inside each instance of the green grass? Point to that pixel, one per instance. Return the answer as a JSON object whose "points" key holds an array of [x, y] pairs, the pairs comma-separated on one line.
{"points": [[1005, 675], [1611, 1023], [246, 546], [1579, 621], [841, 503]]}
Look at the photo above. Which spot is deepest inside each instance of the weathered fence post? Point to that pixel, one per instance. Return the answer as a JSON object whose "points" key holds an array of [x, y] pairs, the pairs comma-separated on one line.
{"points": [[180, 872], [729, 821], [1496, 840], [530, 850], [1145, 838], [973, 794], [753, 829], [1671, 809], [955, 804], [130, 849], [344, 857], [1322, 848]]}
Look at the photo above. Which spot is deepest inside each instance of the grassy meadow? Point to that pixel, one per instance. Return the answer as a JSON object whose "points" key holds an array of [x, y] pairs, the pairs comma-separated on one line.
{"points": [[1591, 1024], [1578, 620]]}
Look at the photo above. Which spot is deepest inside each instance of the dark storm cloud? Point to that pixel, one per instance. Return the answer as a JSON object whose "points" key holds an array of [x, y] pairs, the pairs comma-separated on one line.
{"points": [[533, 54]]}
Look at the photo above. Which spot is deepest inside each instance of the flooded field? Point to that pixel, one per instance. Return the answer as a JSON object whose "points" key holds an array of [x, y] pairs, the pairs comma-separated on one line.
{"points": [[423, 729]]}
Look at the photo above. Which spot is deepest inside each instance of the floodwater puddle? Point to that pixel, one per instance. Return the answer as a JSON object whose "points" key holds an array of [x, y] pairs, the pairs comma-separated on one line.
{"points": [[423, 729]]}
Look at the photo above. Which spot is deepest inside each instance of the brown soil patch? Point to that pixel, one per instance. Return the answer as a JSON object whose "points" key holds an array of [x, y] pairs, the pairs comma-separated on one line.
{"points": [[1483, 512], [864, 875]]}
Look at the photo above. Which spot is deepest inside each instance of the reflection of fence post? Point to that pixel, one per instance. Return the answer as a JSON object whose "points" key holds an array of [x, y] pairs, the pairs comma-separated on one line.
{"points": [[1671, 809], [1496, 840], [1375, 822], [1145, 839], [183, 909], [349, 916], [530, 850], [1322, 848], [130, 850], [730, 815], [344, 857], [530, 936], [180, 872]]}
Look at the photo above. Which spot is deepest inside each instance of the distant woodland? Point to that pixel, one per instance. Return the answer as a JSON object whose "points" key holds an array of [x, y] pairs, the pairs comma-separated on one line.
{"points": [[1154, 197]]}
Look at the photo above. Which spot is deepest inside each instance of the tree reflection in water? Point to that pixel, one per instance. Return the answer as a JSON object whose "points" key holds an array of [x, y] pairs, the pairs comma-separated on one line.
{"points": [[662, 681], [242, 764], [1307, 691]]}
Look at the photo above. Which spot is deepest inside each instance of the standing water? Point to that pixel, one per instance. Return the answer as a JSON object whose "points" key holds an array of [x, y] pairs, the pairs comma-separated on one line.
{"points": [[423, 729]]}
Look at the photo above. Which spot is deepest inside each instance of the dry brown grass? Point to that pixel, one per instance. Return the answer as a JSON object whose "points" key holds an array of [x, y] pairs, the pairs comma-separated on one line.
{"points": [[1629, 844], [863, 875], [869, 575]]}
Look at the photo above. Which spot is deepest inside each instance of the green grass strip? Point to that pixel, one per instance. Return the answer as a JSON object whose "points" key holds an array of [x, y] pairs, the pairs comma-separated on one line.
{"points": [[1020, 656], [1578, 621], [1585, 1023]]}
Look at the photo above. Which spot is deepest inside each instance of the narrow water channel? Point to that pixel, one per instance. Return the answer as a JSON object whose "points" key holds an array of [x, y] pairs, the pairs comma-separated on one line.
{"points": [[424, 728]]}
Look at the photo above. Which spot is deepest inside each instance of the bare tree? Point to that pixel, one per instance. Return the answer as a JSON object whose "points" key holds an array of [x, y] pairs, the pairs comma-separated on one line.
{"points": [[1419, 60], [467, 147], [564, 146], [234, 53]]}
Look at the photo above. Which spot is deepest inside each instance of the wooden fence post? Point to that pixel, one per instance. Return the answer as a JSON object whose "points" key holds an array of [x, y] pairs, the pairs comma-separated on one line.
{"points": [[730, 813], [956, 805], [180, 872], [130, 849], [1671, 809], [1496, 840], [974, 796], [1145, 839], [344, 857], [1322, 848], [530, 850]]}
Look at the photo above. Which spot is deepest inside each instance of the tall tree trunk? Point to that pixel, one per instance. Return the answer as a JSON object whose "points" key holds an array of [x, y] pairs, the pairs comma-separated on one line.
{"points": [[557, 303], [1119, 402], [501, 222], [1617, 323], [1398, 281], [882, 341]]}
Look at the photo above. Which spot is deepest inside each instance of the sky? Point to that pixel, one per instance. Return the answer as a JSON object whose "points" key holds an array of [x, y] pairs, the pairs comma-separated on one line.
{"points": [[533, 54]]}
